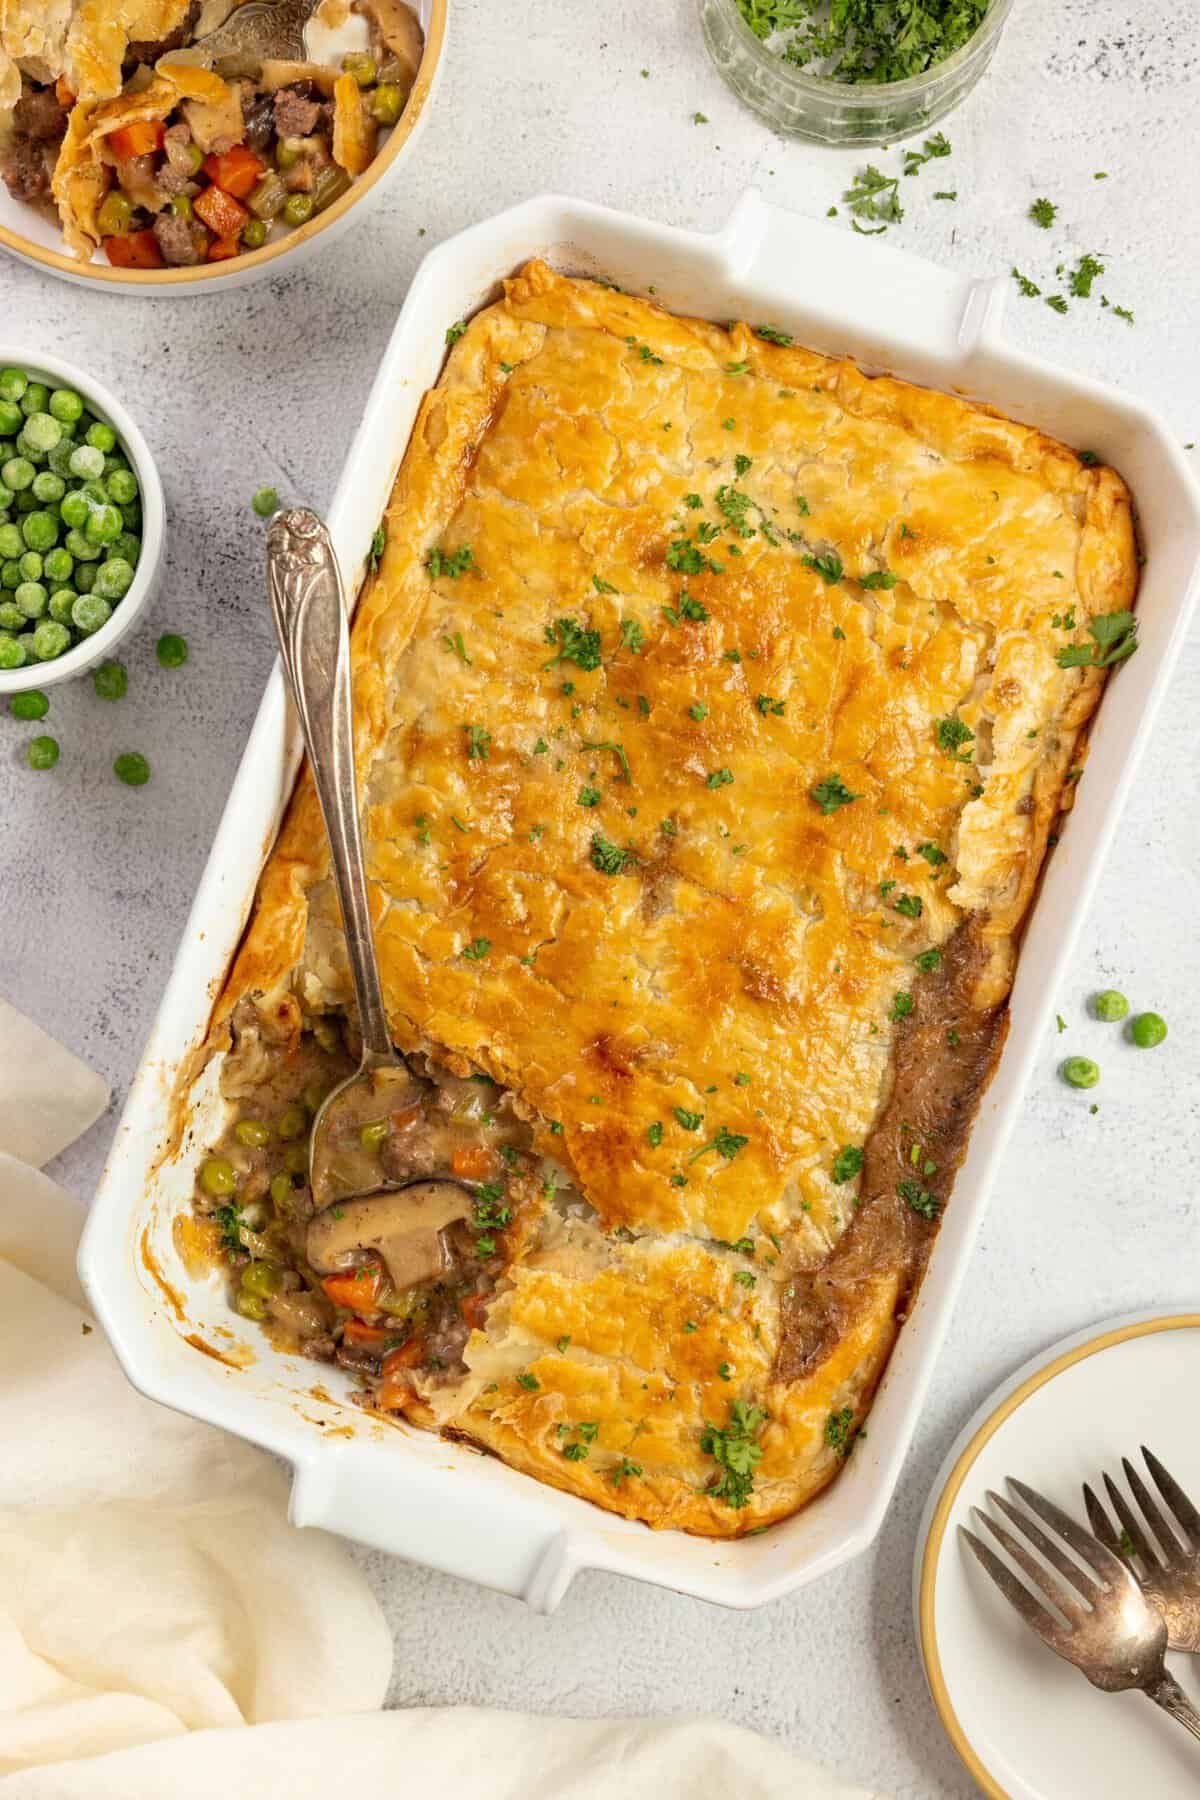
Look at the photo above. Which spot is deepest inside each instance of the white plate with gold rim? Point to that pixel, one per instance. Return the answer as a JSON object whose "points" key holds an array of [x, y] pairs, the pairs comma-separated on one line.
{"points": [[1027, 1725]]}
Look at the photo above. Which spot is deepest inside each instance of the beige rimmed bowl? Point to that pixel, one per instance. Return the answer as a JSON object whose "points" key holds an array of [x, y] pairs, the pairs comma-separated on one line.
{"points": [[25, 234]]}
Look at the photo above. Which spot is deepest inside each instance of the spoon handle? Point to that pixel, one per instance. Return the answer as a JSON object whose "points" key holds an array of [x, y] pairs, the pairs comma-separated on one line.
{"points": [[310, 621], [1166, 1692]]}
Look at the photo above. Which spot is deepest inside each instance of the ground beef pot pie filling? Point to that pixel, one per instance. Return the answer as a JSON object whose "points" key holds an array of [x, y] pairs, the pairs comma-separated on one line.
{"points": [[712, 723]]}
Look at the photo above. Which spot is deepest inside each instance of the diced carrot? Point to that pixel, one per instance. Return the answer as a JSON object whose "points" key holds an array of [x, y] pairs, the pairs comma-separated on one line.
{"points": [[396, 1388], [234, 171], [220, 213], [366, 1337], [356, 1288], [406, 1116], [221, 249], [62, 92], [136, 250], [472, 1163], [138, 138]]}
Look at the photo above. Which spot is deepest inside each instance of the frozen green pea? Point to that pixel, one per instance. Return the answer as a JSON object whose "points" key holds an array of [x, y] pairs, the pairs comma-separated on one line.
{"points": [[61, 602], [17, 473], [84, 576], [42, 752], [12, 653], [6, 499], [291, 1122], [48, 487], [58, 564], [101, 437], [74, 510], [132, 768], [66, 405], [32, 704], [111, 681], [218, 1176], [1147, 1030], [89, 613], [10, 573], [31, 597], [265, 502], [81, 547], [121, 486], [11, 542], [104, 525], [114, 579], [13, 383], [40, 530], [1109, 1005], [35, 399], [26, 503], [281, 1189], [252, 1132], [172, 650], [50, 639], [1080, 1071], [11, 419], [42, 431], [58, 460], [132, 516], [87, 462], [95, 493], [128, 547], [11, 616], [31, 565]]}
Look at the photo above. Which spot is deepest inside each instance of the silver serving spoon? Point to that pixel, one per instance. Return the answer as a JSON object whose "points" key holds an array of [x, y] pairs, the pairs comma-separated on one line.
{"points": [[310, 621], [259, 29]]}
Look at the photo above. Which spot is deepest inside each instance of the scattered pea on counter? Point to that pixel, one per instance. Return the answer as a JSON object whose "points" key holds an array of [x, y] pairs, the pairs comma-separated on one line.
{"points": [[1109, 1005], [70, 521], [1147, 1030], [1080, 1071], [265, 502]]}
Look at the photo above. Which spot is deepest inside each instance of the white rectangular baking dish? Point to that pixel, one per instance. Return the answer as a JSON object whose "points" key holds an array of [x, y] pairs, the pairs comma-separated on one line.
{"points": [[401, 1489]]}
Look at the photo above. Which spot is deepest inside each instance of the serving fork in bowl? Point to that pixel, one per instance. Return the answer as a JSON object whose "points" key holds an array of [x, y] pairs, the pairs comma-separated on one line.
{"points": [[1167, 1568], [1096, 1614]]}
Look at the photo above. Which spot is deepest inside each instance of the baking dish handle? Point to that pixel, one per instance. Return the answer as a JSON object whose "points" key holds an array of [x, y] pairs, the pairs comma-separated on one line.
{"points": [[421, 1502], [882, 305]]}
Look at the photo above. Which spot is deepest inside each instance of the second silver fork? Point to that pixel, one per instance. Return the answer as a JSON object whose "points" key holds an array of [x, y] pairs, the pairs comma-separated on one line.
{"points": [[1166, 1562]]}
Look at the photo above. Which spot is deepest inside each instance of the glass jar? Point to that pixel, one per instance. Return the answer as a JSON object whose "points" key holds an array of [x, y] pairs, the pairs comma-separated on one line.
{"points": [[838, 112]]}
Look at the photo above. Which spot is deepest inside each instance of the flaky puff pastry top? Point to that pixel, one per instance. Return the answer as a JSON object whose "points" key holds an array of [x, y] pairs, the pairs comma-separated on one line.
{"points": [[688, 962]]}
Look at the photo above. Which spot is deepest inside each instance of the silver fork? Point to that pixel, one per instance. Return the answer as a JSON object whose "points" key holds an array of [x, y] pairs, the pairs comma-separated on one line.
{"points": [[1170, 1570], [1105, 1625]]}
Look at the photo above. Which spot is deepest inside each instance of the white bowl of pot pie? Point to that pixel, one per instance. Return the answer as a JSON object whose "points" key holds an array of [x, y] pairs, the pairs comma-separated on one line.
{"points": [[718, 702], [131, 157]]}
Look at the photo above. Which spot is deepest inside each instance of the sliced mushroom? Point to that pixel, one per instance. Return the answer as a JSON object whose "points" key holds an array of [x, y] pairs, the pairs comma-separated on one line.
{"points": [[404, 1225], [400, 29]]}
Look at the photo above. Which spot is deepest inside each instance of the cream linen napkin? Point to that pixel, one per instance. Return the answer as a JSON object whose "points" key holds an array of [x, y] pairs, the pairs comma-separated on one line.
{"points": [[139, 1640]]}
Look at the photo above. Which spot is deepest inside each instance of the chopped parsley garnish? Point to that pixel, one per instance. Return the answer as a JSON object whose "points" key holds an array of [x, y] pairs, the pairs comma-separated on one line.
{"points": [[1114, 638], [607, 857], [699, 118], [624, 1470], [1029, 289], [683, 555], [719, 778], [1081, 278], [229, 1218], [478, 742], [909, 905], [528, 1381], [450, 563], [378, 546], [737, 368], [691, 1121], [862, 41], [688, 609], [477, 949], [935, 146], [766, 703], [575, 1452], [928, 960], [589, 796], [735, 1452], [632, 635], [573, 643], [1043, 213], [772, 335], [828, 567], [831, 793], [1057, 302], [725, 1371], [933, 856], [654, 1133], [745, 1279], [875, 195], [618, 751], [878, 578], [839, 1434], [697, 710], [456, 645], [847, 1163], [455, 331], [735, 506], [726, 1142], [951, 735], [603, 587], [922, 1202], [902, 1004]]}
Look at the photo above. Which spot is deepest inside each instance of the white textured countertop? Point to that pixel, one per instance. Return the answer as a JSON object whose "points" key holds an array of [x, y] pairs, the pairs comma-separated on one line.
{"points": [[1093, 1215]]}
